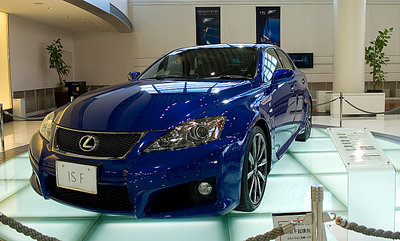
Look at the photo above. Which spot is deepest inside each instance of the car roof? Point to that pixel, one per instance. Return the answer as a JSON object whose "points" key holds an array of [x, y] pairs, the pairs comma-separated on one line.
{"points": [[256, 46]]}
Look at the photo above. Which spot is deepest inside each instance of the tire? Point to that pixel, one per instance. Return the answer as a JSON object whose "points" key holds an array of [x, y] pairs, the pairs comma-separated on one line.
{"points": [[308, 124], [254, 174]]}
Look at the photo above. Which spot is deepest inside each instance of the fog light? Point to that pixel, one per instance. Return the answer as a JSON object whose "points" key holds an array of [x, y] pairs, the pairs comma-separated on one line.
{"points": [[205, 188]]}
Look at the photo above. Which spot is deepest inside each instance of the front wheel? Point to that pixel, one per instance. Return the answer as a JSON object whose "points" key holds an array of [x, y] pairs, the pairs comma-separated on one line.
{"points": [[255, 170]]}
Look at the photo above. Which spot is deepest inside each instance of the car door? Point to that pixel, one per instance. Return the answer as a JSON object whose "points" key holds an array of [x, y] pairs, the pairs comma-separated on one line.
{"points": [[278, 102], [296, 89]]}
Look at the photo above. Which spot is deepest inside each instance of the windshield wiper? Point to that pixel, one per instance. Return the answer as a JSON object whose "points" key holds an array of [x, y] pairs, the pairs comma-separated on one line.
{"points": [[172, 76], [230, 76]]}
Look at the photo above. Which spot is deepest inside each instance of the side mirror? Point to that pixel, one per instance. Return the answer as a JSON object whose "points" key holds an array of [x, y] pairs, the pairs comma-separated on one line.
{"points": [[133, 75], [282, 75]]}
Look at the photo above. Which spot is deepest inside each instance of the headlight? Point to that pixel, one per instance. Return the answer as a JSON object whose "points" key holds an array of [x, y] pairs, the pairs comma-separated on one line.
{"points": [[46, 128], [190, 133]]}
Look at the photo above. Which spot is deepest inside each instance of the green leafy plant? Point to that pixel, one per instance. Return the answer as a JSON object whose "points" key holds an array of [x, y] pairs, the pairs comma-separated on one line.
{"points": [[56, 61], [376, 58]]}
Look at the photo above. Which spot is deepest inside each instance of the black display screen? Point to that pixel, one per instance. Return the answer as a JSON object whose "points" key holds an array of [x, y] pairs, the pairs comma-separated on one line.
{"points": [[302, 60]]}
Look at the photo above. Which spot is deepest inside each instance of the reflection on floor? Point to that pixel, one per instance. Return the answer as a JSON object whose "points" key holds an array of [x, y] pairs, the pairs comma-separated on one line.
{"points": [[388, 124], [19, 133], [288, 190]]}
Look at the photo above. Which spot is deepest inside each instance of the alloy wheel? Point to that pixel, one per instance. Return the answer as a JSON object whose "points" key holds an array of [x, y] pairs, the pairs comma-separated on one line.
{"points": [[256, 176]]}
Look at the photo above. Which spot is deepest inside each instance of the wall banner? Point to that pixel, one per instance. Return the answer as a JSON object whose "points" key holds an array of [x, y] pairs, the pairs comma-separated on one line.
{"points": [[208, 28], [268, 25]]}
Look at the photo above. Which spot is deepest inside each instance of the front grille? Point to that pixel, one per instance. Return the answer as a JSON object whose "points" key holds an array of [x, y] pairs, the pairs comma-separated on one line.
{"points": [[112, 198], [112, 145]]}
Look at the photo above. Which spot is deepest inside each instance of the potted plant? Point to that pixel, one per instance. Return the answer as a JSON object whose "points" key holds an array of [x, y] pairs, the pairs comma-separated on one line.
{"points": [[376, 58], [56, 62]]}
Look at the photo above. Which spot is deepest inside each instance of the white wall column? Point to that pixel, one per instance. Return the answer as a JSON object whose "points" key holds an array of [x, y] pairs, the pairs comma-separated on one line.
{"points": [[348, 55]]}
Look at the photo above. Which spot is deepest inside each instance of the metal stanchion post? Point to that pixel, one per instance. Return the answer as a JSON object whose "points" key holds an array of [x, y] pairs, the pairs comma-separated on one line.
{"points": [[318, 228], [341, 108], [2, 128]]}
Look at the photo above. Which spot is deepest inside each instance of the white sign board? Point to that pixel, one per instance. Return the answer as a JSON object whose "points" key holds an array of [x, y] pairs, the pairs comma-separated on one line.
{"points": [[357, 147], [371, 180], [301, 231]]}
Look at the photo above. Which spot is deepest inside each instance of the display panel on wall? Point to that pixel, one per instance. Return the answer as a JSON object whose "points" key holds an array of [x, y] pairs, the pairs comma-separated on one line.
{"points": [[268, 22], [302, 60], [208, 28]]}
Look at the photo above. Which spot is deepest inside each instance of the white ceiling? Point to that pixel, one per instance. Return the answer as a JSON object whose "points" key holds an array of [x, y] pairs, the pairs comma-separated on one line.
{"points": [[57, 13]]}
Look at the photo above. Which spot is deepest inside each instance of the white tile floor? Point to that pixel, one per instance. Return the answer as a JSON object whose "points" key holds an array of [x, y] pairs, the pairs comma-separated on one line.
{"points": [[288, 190], [388, 124]]}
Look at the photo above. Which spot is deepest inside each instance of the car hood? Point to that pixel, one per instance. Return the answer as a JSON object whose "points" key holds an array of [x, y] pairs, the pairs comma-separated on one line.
{"points": [[146, 105]]}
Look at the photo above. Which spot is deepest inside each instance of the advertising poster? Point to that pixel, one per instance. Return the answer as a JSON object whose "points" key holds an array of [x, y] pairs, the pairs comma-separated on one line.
{"points": [[208, 29], [268, 25]]}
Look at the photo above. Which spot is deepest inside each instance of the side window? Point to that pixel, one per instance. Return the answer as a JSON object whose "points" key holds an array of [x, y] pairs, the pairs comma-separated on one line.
{"points": [[287, 64], [270, 64]]}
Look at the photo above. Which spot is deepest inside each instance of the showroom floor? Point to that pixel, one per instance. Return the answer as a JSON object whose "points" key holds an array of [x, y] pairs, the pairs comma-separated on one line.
{"points": [[288, 190]]}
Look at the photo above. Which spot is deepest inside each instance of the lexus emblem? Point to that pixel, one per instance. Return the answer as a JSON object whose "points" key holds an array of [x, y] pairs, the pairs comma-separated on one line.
{"points": [[88, 143]]}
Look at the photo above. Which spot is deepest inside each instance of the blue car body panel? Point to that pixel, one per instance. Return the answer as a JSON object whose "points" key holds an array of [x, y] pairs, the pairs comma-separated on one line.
{"points": [[129, 107], [156, 106]]}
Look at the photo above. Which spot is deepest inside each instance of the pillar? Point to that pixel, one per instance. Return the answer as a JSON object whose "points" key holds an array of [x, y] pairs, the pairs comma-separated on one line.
{"points": [[5, 89], [348, 52]]}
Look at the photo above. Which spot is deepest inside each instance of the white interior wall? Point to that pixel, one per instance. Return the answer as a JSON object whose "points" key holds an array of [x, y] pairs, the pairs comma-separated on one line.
{"points": [[309, 29], [161, 26], [29, 66]]}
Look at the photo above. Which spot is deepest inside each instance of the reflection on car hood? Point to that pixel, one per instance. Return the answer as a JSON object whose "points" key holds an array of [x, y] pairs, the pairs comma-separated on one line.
{"points": [[146, 105]]}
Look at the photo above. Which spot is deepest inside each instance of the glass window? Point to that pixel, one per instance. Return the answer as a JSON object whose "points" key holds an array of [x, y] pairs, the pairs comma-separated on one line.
{"points": [[270, 64], [206, 63], [287, 64]]}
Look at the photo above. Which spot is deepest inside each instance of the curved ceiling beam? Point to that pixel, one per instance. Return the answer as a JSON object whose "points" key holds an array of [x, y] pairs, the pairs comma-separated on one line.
{"points": [[106, 11]]}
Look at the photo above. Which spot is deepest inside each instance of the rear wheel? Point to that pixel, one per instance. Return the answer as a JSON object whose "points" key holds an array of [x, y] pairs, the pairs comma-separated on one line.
{"points": [[308, 124], [255, 170]]}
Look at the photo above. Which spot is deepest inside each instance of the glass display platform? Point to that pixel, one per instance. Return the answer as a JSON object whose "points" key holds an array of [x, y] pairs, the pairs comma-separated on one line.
{"points": [[288, 190]]}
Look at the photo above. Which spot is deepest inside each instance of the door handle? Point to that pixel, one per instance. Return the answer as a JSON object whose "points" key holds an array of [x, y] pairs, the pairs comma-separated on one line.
{"points": [[292, 87]]}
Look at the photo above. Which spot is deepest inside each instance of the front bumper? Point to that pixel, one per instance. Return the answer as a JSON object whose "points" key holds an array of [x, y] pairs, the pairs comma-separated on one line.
{"points": [[159, 184]]}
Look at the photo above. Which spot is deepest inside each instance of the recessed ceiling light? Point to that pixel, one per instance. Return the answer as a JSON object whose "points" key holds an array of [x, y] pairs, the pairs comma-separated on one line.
{"points": [[49, 8], [38, 3]]}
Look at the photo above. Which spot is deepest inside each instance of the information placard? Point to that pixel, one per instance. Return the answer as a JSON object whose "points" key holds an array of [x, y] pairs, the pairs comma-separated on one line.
{"points": [[301, 231], [371, 180], [357, 147]]}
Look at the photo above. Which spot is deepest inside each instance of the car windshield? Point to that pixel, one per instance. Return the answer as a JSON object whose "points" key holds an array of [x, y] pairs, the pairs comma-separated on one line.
{"points": [[206, 63]]}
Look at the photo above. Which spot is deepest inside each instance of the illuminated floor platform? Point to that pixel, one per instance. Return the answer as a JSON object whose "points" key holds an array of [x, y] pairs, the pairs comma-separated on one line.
{"points": [[288, 190]]}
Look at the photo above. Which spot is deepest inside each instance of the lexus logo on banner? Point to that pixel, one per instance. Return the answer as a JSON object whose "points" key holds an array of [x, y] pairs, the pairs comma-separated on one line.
{"points": [[88, 143]]}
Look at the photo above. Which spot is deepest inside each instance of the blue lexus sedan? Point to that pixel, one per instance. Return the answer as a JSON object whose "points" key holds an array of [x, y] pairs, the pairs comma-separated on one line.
{"points": [[195, 134]]}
